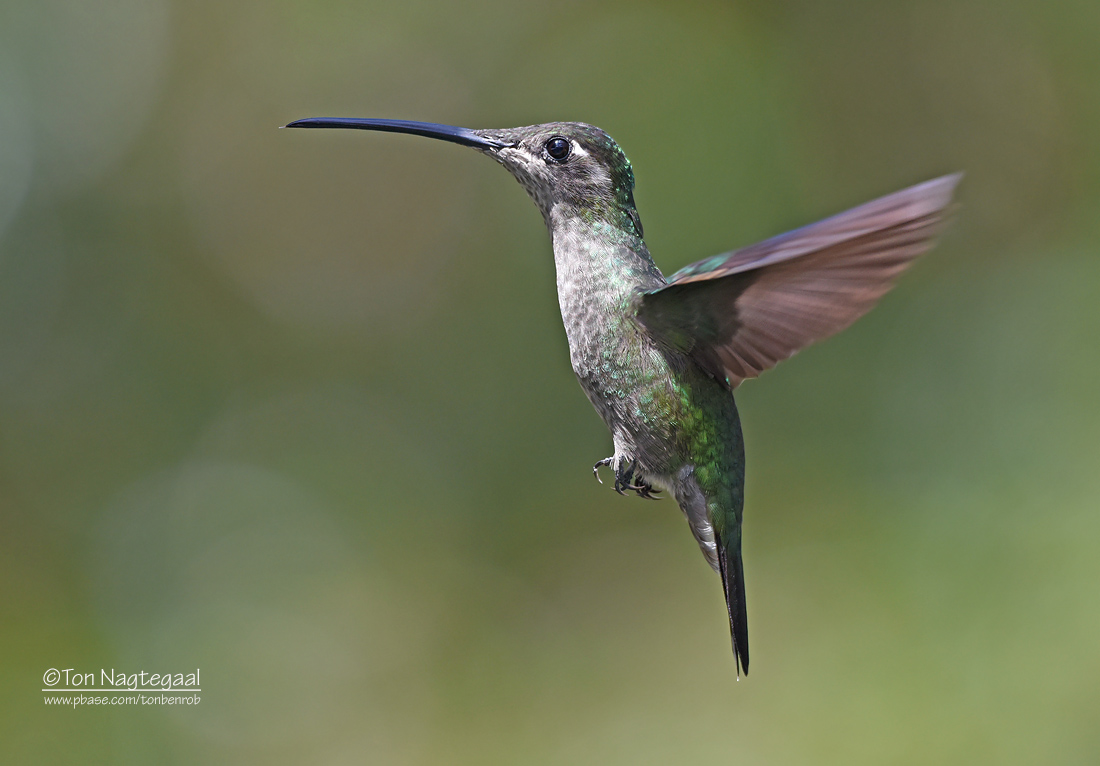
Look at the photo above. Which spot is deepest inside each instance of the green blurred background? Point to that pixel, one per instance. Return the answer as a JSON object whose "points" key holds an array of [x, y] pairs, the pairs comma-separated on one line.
{"points": [[296, 408]]}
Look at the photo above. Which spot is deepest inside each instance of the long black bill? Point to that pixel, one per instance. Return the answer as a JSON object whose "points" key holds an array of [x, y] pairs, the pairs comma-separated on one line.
{"points": [[463, 136]]}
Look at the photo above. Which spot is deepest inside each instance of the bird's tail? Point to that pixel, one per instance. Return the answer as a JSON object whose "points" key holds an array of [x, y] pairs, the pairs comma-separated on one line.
{"points": [[733, 582]]}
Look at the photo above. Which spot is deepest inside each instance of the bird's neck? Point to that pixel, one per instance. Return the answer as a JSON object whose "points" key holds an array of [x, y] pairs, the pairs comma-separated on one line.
{"points": [[601, 264]]}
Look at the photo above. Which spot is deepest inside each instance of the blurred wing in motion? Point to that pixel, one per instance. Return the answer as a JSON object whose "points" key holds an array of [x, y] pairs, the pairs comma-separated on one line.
{"points": [[740, 313]]}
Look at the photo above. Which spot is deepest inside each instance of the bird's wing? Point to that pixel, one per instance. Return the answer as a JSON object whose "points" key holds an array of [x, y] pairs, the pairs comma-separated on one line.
{"points": [[740, 313]]}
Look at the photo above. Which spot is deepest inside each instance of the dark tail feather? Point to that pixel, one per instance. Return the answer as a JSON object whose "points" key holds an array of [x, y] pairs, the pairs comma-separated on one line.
{"points": [[733, 582]]}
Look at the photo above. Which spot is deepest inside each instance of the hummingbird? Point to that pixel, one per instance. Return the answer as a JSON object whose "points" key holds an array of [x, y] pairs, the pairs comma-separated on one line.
{"points": [[659, 357]]}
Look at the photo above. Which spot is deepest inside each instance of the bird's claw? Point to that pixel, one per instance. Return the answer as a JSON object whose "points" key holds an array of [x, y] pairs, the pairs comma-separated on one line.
{"points": [[600, 464], [624, 479]]}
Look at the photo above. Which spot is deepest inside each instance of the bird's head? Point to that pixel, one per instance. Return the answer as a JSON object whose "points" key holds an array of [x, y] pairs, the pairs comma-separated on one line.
{"points": [[568, 168]]}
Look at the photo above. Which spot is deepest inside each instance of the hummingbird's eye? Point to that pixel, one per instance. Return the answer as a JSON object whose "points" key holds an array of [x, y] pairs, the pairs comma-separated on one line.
{"points": [[558, 148]]}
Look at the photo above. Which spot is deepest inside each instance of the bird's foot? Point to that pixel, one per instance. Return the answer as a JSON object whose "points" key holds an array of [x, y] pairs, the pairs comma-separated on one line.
{"points": [[624, 478]]}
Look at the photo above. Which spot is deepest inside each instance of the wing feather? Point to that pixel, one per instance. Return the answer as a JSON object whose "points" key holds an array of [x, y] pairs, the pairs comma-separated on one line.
{"points": [[740, 313]]}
